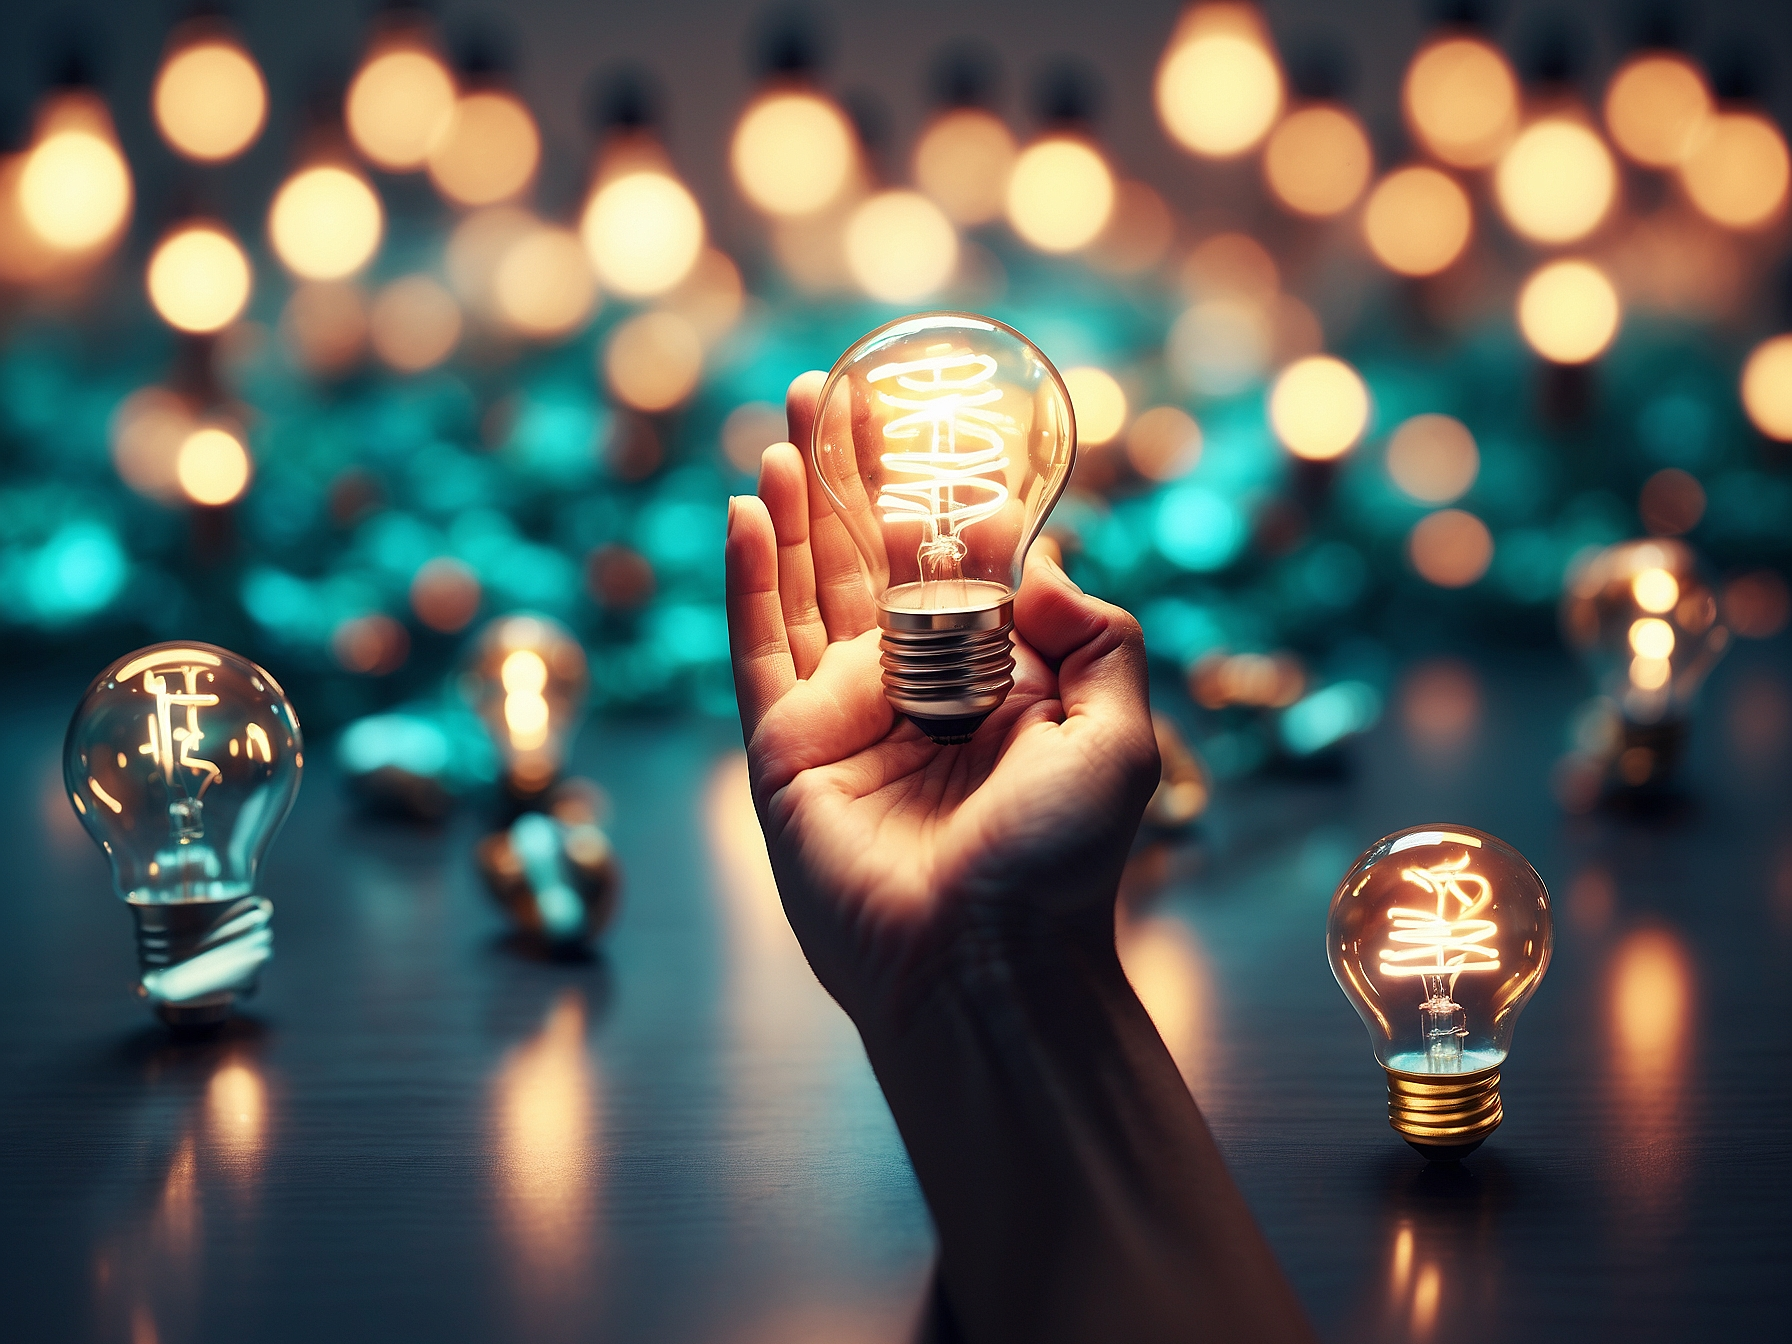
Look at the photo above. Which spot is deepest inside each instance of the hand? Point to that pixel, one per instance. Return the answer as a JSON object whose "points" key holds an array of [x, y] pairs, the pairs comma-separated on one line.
{"points": [[899, 858]]}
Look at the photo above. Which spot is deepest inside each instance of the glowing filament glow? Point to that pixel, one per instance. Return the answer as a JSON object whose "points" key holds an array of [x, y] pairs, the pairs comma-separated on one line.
{"points": [[947, 396], [1449, 940], [524, 676], [164, 733]]}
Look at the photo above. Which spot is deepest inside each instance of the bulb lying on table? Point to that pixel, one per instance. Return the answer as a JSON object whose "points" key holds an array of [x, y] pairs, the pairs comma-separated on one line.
{"points": [[182, 762], [1439, 936], [943, 440]]}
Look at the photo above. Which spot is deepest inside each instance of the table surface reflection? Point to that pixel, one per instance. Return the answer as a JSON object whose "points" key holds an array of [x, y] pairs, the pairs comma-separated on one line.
{"points": [[421, 1132]]}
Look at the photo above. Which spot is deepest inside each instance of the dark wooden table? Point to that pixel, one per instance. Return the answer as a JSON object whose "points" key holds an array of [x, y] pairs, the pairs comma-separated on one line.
{"points": [[421, 1133]]}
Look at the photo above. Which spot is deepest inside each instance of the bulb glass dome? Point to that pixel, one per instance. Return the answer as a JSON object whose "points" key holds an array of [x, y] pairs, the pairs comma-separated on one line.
{"points": [[527, 680], [943, 440]]}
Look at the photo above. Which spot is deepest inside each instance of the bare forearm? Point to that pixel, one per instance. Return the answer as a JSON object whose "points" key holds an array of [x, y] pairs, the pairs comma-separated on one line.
{"points": [[1076, 1189]]}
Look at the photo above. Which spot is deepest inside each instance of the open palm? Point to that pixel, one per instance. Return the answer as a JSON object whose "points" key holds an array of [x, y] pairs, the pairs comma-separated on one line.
{"points": [[894, 853]]}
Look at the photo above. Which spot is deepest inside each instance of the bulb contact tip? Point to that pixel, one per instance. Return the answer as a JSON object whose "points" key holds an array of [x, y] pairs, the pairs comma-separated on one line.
{"points": [[1444, 1116]]}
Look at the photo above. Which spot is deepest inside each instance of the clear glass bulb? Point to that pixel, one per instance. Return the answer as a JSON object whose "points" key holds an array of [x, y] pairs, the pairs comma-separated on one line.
{"points": [[182, 761], [1438, 936], [1643, 617], [943, 441], [527, 679]]}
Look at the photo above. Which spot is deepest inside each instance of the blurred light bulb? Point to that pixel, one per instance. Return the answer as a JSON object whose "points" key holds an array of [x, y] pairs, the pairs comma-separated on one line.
{"points": [[1418, 221], [1557, 182], [1450, 548], [75, 190], [962, 161], [415, 324], [900, 246], [1319, 407], [1569, 311], [1164, 443], [1461, 101], [324, 324], [399, 107], [943, 441], [212, 466], [1318, 160], [1438, 936], [148, 429], [489, 151], [643, 232], [792, 153], [210, 100], [1433, 458], [1644, 620], [1767, 387], [527, 680], [1099, 403], [1737, 170], [652, 361], [552, 870], [1655, 107], [325, 222], [543, 284], [1060, 194], [1218, 87], [182, 762], [199, 278]]}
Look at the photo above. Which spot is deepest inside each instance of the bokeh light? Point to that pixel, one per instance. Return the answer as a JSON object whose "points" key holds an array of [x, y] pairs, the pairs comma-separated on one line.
{"points": [[1060, 194], [147, 432], [1099, 403], [1556, 183], [199, 278], [1418, 221], [1671, 502], [1164, 443], [1450, 548], [477, 247], [748, 431], [1737, 171], [1758, 604], [1138, 233], [1568, 311], [1319, 407], [792, 153], [1318, 160], [415, 324], [25, 258], [1221, 345], [900, 246], [711, 297], [543, 284], [212, 466], [1461, 101], [210, 100], [962, 161], [643, 232], [1767, 387], [445, 594], [326, 223], [1655, 107], [489, 151], [75, 190], [1219, 89], [399, 107], [324, 325], [374, 645], [1433, 458], [652, 361]]}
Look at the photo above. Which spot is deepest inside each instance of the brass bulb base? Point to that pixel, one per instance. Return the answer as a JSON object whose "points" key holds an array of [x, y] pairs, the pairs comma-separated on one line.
{"points": [[1444, 1116], [197, 958], [948, 671]]}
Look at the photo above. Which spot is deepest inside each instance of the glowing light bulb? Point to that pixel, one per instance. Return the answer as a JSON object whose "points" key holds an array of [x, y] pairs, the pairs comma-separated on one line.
{"points": [[1218, 87], [1644, 620], [1655, 107], [900, 246], [643, 232], [1461, 101], [962, 160], [210, 100], [792, 153], [1319, 407], [1060, 194], [75, 189], [182, 761], [489, 150], [326, 222], [1318, 160], [943, 440], [212, 466], [1438, 936], [543, 284], [527, 680], [1767, 387], [399, 106], [199, 278], [1569, 312], [1737, 170], [1418, 221], [1557, 182]]}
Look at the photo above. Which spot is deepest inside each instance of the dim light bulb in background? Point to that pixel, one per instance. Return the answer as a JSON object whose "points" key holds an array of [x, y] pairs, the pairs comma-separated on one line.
{"points": [[943, 441], [489, 150], [199, 278], [75, 189], [1461, 101], [527, 680], [1644, 620], [1219, 89], [1655, 107], [399, 106], [182, 761], [1438, 936], [326, 222], [210, 99], [962, 160], [793, 153]]}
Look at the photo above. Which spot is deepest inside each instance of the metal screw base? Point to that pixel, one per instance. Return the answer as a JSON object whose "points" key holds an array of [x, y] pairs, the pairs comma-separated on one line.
{"points": [[948, 670], [1445, 1116], [197, 958]]}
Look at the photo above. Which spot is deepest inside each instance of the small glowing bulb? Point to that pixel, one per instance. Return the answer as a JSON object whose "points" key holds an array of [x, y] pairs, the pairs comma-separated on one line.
{"points": [[326, 222], [1767, 387], [1651, 637], [652, 361], [900, 246], [1655, 107], [643, 232], [1569, 311], [212, 466], [1060, 194], [415, 324], [489, 150], [1218, 87], [527, 678], [1461, 101], [1319, 407], [75, 191], [399, 107], [1737, 170], [1438, 936], [1655, 590], [1318, 160], [962, 161], [1557, 182], [182, 762], [1433, 458], [1099, 403], [792, 153], [543, 284], [1450, 548], [1418, 221], [942, 441], [199, 278], [210, 100]]}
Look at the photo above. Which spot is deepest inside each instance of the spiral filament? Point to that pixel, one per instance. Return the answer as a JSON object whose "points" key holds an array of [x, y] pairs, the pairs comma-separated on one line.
{"points": [[1441, 944], [947, 397]]}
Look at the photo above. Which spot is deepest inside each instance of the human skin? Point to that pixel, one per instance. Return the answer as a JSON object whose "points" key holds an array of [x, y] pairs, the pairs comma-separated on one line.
{"points": [[958, 903]]}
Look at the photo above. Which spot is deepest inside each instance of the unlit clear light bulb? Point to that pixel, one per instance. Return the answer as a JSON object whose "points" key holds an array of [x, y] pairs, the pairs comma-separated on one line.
{"points": [[943, 441], [182, 761], [1643, 618], [1439, 936]]}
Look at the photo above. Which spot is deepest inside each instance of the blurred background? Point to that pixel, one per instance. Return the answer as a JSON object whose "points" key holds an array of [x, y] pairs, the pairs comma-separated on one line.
{"points": [[330, 332]]}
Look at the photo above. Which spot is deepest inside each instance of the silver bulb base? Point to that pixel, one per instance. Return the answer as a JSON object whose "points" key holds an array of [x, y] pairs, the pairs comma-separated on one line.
{"points": [[948, 671], [197, 958], [1445, 1116]]}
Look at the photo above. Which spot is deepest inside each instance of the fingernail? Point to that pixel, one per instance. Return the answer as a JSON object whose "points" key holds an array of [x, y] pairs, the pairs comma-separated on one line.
{"points": [[732, 501]]}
